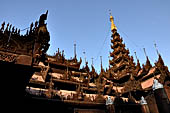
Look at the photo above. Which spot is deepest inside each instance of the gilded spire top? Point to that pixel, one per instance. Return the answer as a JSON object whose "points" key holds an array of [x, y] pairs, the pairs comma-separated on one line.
{"points": [[113, 26]]}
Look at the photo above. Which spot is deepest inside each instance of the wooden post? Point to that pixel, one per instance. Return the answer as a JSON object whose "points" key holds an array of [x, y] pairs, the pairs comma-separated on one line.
{"points": [[145, 108], [161, 97], [162, 100]]}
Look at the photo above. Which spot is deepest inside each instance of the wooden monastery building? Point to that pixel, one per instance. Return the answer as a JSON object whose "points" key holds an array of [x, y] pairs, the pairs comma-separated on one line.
{"points": [[38, 81]]}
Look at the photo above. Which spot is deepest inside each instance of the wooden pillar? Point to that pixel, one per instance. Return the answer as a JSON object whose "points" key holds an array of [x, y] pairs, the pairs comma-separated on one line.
{"points": [[162, 100], [145, 108], [161, 97], [110, 108]]}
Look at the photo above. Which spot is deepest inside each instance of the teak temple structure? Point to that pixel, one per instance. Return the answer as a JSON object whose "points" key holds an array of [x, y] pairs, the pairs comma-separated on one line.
{"points": [[38, 81]]}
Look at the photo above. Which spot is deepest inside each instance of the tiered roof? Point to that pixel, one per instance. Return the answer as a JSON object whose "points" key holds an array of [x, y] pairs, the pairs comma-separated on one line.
{"points": [[122, 64]]}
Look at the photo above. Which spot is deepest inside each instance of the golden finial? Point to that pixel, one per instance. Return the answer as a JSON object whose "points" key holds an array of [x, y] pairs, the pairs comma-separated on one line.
{"points": [[113, 26]]}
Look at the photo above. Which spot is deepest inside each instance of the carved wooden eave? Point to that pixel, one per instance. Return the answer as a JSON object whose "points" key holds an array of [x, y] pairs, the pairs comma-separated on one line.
{"points": [[164, 74], [118, 68], [119, 75], [83, 103], [116, 37], [120, 58], [89, 89], [76, 73], [15, 58], [132, 85], [61, 60], [117, 44], [118, 50], [117, 89], [150, 73], [68, 82], [121, 63], [70, 65], [162, 69]]}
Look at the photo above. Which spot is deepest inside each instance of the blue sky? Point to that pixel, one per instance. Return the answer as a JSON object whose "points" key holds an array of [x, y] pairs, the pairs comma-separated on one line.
{"points": [[140, 23]]}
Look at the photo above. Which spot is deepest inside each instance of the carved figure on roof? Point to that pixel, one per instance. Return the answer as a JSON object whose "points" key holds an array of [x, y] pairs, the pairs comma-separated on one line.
{"points": [[16, 31], [42, 19], [10, 27], [35, 26], [2, 27], [36, 23], [31, 26], [87, 67], [13, 29], [7, 27], [19, 32]]}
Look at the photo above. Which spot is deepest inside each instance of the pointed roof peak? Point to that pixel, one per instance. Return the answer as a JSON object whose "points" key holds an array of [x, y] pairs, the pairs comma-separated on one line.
{"points": [[101, 62], [136, 55], [157, 49], [145, 53]]}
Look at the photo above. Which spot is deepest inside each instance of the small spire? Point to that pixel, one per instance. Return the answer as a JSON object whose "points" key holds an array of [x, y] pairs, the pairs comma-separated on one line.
{"points": [[113, 26], [156, 49], [148, 64], [75, 55], [136, 55], [138, 63], [101, 62], [92, 60], [84, 56], [145, 52]]}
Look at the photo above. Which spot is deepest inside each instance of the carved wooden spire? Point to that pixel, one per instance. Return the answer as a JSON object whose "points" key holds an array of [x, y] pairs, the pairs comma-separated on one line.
{"points": [[101, 64], [75, 55], [148, 64], [160, 61], [138, 67], [121, 63]]}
